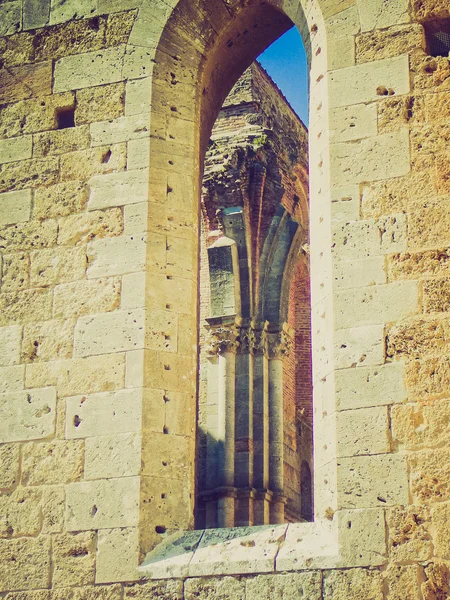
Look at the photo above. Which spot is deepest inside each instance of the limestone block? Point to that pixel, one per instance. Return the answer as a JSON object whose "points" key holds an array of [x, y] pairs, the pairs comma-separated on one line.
{"points": [[10, 340], [341, 52], [409, 533], [134, 369], [366, 82], [17, 49], [83, 164], [27, 415], [437, 581], [175, 455], [430, 73], [353, 122], [138, 62], [138, 154], [424, 10], [9, 459], [110, 456], [411, 265], [135, 218], [88, 70], [344, 23], [60, 200], [103, 414], [162, 331], [73, 558], [121, 129], [28, 236], [17, 175], [86, 297], [26, 563], [71, 9], [53, 462], [359, 272], [98, 592], [428, 143], [292, 586], [81, 228], [372, 481], [35, 13], [61, 141], [25, 81], [138, 96], [436, 107], [10, 17], [359, 346], [25, 306], [15, 276], [15, 149], [168, 589], [118, 189], [172, 556], [124, 254], [214, 588], [421, 425], [80, 375], [12, 378], [359, 583], [363, 431], [362, 538], [436, 295], [177, 293], [376, 14], [117, 555], [20, 513], [430, 475], [440, 515], [394, 113], [418, 337], [57, 265], [15, 207], [404, 582], [370, 386], [103, 504], [53, 505], [370, 159], [378, 45], [428, 378], [100, 103]]}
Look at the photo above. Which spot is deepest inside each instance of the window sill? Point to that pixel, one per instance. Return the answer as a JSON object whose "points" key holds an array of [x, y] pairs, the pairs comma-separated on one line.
{"points": [[243, 550]]}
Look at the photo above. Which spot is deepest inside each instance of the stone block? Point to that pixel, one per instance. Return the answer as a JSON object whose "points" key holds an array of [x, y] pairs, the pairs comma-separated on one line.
{"points": [[15, 276], [118, 189], [73, 558], [12, 379], [366, 82], [17, 49], [436, 295], [20, 513], [98, 592], [121, 255], [53, 503], [378, 45], [71, 9], [25, 81], [138, 96], [353, 122], [121, 129], [15, 149], [359, 272], [36, 13], [372, 481], [411, 265], [418, 337], [430, 475], [394, 113], [370, 386], [117, 555], [436, 581], [289, 586], [214, 588], [49, 463], [167, 589], [100, 103], [61, 141], [27, 415], [26, 563], [88, 70], [359, 583], [370, 159], [9, 459], [441, 516], [10, 340], [363, 431], [103, 414], [57, 265], [136, 218], [138, 63], [83, 164], [428, 378], [28, 236], [362, 538], [175, 454], [86, 297], [15, 207], [359, 346], [425, 10], [60, 200], [420, 425], [25, 306], [103, 504], [18, 175], [110, 456], [378, 15], [341, 52], [134, 370], [81, 228], [404, 581], [10, 17], [138, 154], [51, 340], [409, 533]]}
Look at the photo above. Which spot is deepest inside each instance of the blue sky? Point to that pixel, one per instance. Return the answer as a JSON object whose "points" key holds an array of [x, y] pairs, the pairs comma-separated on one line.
{"points": [[285, 61]]}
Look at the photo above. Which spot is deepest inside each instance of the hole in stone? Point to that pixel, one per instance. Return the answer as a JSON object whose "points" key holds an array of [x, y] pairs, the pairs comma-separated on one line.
{"points": [[165, 429], [437, 35], [65, 117], [76, 421], [160, 529]]}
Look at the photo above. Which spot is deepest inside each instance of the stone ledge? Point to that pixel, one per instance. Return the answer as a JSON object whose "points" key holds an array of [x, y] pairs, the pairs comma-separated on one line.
{"points": [[238, 550]]}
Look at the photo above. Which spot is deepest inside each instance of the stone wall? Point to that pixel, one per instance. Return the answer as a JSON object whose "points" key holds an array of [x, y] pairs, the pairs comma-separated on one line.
{"points": [[99, 296]]}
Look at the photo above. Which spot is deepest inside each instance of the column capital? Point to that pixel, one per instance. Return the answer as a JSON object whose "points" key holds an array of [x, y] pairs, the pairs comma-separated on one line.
{"points": [[223, 338], [278, 343]]}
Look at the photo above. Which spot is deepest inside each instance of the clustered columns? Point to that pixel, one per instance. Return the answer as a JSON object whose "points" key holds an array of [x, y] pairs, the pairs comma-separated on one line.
{"points": [[244, 482]]}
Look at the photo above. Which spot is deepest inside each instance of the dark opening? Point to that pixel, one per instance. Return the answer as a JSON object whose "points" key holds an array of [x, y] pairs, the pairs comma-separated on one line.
{"points": [[65, 118], [437, 34]]}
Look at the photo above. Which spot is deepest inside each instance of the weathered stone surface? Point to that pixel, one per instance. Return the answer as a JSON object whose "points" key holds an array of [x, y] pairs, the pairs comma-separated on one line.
{"points": [[36, 13], [11, 379], [420, 425], [118, 189], [79, 376], [10, 340], [430, 475], [387, 43], [292, 586], [404, 582], [27, 415], [429, 377], [441, 516], [103, 414], [26, 562], [117, 455], [415, 264], [418, 337], [437, 583], [25, 306], [25, 81], [138, 153], [394, 113], [436, 295], [69, 10], [103, 504], [135, 218], [427, 9], [409, 533], [86, 297], [363, 431], [118, 256], [20, 513], [214, 588], [15, 149], [100, 103], [359, 583], [79, 229], [117, 555], [83, 164], [17, 175], [28, 236], [353, 122], [73, 558], [17, 49], [60, 200], [10, 17], [15, 276], [427, 144], [99, 592], [53, 503], [61, 141], [362, 537], [9, 459], [57, 265], [52, 462], [122, 129], [170, 589]]}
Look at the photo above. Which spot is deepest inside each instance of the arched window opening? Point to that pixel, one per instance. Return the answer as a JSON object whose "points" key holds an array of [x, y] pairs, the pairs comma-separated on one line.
{"points": [[255, 390]]}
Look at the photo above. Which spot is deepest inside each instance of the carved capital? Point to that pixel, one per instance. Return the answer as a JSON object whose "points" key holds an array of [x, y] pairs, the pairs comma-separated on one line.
{"points": [[278, 344], [256, 338], [223, 338]]}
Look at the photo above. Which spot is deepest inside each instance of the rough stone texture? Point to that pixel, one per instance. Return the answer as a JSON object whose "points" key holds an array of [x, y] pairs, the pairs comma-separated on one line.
{"points": [[53, 501], [441, 539], [436, 295], [25, 81], [288, 587], [100, 103], [117, 555], [429, 377], [20, 513], [83, 164], [418, 337], [409, 533], [51, 340], [78, 229], [115, 455], [404, 582], [164, 590], [74, 559], [26, 562], [9, 459], [25, 306], [60, 142], [86, 297], [52, 462], [377, 44], [420, 425], [28, 236], [437, 583], [430, 475], [27, 415], [15, 275], [214, 588], [359, 583], [60, 200], [414, 264]]}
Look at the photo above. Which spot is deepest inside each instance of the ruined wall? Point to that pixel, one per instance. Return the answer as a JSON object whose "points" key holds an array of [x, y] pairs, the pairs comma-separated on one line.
{"points": [[98, 298]]}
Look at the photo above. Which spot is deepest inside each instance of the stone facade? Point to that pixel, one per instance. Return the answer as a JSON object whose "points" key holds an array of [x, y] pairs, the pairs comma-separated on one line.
{"points": [[98, 300]]}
